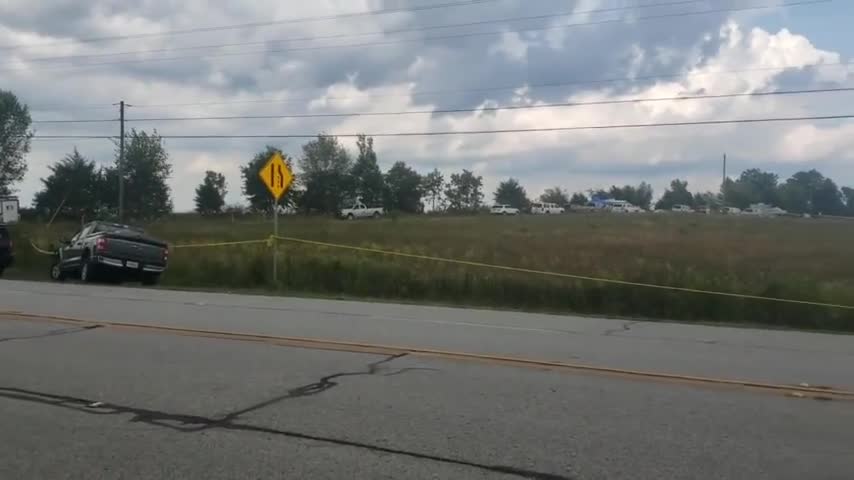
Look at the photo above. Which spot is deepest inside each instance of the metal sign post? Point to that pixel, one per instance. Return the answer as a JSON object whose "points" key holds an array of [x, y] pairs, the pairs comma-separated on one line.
{"points": [[277, 176], [275, 246]]}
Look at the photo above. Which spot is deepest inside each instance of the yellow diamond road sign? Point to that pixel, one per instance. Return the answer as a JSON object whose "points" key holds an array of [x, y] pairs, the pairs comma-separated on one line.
{"points": [[276, 175]]}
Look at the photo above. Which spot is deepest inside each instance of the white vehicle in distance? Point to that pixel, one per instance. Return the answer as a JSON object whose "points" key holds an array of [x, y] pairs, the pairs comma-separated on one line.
{"points": [[621, 206], [546, 208], [682, 209], [359, 210], [731, 211], [503, 210]]}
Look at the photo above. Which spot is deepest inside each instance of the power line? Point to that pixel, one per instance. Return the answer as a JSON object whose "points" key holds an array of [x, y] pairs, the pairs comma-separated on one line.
{"points": [[600, 81], [634, 79], [467, 110], [363, 34], [483, 132], [251, 25], [435, 37]]}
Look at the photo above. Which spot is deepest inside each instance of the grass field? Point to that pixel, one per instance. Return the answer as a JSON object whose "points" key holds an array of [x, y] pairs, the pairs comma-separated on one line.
{"points": [[805, 259]]}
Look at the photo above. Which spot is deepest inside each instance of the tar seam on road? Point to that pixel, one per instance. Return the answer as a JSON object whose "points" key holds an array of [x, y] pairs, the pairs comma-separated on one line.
{"points": [[820, 393], [189, 424]]}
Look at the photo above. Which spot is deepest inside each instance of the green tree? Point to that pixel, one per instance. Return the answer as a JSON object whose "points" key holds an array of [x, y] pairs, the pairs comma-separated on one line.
{"points": [[432, 184], [811, 192], [15, 136], [578, 199], [753, 186], [254, 189], [146, 170], [210, 194], [403, 189], [640, 196], [510, 192], [677, 194], [464, 192], [368, 182], [74, 186], [555, 195], [827, 199], [325, 166]]}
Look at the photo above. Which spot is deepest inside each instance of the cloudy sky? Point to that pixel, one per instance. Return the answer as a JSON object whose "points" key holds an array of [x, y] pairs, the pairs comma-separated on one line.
{"points": [[72, 60]]}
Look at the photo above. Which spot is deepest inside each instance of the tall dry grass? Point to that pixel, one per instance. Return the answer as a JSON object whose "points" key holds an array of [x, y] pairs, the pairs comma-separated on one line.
{"points": [[806, 259]]}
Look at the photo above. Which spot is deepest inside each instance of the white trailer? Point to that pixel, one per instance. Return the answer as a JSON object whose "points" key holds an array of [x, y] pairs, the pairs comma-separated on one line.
{"points": [[9, 210]]}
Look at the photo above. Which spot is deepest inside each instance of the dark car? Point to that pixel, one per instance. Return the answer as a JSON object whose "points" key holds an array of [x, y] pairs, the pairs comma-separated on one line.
{"points": [[6, 254], [111, 251]]}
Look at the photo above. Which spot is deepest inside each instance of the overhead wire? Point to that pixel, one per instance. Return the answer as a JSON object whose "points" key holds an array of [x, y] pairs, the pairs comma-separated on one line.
{"points": [[241, 26], [486, 131], [363, 34], [431, 38], [462, 110], [601, 81]]}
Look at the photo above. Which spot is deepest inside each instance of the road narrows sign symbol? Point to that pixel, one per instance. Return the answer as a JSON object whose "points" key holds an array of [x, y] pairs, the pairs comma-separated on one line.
{"points": [[276, 175]]}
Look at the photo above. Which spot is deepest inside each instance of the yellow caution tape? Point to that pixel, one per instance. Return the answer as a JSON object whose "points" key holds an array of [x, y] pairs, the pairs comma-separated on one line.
{"points": [[41, 251], [563, 275], [220, 244], [271, 240]]}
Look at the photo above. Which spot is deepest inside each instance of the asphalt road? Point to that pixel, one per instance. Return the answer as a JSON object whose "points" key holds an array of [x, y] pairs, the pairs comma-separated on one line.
{"points": [[186, 407]]}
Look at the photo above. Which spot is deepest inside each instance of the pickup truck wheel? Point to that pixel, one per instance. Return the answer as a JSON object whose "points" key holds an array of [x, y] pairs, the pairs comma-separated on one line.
{"points": [[350, 217], [56, 273], [87, 271], [150, 279], [377, 215]]}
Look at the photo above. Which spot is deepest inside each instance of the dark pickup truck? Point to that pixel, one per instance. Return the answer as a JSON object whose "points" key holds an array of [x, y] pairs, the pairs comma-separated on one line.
{"points": [[111, 251], [6, 255]]}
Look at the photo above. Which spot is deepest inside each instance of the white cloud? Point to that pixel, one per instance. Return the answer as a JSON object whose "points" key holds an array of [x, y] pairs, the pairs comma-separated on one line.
{"points": [[387, 79], [512, 46]]}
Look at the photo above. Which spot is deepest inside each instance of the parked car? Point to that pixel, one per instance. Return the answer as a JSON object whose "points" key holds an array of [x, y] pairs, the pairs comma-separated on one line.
{"points": [[621, 206], [682, 209], [111, 251], [546, 208], [731, 211], [764, 210], [359, 210], [7, 256], [503, 210]]}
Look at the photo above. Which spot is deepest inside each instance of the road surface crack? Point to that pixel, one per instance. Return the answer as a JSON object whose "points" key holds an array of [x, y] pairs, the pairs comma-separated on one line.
{"points": [[194, 423], [52, 333], [326, 383]]}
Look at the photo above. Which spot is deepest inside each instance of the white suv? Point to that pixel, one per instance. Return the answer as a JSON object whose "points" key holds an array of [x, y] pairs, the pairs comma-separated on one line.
{"points": [[546, 208], [503, 210]]}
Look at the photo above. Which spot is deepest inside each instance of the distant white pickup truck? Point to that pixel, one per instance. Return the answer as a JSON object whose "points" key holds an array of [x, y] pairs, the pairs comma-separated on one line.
{"points": [[359, 210]]}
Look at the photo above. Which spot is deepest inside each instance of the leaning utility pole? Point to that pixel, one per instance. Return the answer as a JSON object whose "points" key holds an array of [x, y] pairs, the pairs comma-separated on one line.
{"points": [[121, 166], [724, 179]]}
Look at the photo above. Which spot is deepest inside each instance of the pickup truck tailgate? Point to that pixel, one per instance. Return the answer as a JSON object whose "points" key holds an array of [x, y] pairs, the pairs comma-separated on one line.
{"points": [[134, 250]]}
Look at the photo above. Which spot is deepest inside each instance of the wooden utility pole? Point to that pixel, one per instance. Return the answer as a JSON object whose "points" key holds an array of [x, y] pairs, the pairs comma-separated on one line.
{"points": [[121, 161]]}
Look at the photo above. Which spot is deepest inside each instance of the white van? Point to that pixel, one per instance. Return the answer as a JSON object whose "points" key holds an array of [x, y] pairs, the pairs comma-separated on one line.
{"points": [[540, 208]]}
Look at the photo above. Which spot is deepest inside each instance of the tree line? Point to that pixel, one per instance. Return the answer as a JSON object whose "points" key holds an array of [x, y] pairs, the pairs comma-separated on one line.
{"points": [[330, 177]]}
